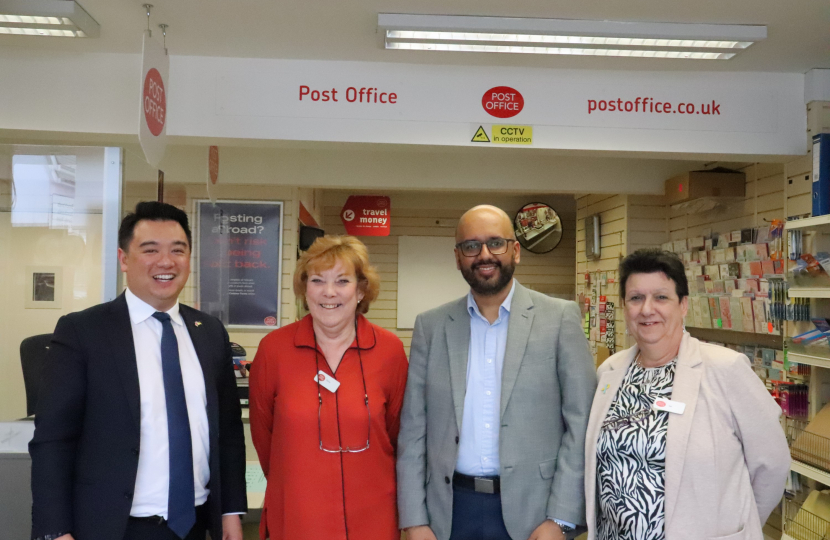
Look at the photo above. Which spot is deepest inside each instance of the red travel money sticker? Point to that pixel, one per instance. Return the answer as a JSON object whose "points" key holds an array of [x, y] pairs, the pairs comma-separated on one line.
{"points": [[367, 215]]}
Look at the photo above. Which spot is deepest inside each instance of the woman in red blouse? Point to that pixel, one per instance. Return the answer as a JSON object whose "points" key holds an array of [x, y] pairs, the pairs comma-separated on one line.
{"points": [[328, 451]]}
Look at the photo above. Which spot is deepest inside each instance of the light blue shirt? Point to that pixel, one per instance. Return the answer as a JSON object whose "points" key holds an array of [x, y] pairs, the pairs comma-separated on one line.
{"points": [[478, 447]]}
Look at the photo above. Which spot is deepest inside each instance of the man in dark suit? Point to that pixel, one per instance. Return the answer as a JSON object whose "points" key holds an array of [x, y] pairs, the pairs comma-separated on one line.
{"points": [[138, 428]]}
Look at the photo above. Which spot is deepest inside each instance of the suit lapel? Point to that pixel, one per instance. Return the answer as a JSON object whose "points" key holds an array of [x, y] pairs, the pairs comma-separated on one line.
{"points": [[518, 331], [458, 348], [686, 389], [121, 341], [197, 336], [609, 383]]}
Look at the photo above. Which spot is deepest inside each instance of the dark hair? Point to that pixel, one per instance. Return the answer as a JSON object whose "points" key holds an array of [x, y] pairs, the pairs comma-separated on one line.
{"points": [[152, 211], [650, 261]]}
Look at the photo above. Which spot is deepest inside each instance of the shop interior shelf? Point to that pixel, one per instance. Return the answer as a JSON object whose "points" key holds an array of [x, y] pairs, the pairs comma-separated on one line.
{"points": [[800, 524], [818, 222], [809, 292], [810, 452], [736, 338], [812, 356], [810, 472]]}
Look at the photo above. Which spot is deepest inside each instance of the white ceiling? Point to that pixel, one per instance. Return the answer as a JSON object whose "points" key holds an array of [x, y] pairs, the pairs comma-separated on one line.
{"points": [[799, 31]]}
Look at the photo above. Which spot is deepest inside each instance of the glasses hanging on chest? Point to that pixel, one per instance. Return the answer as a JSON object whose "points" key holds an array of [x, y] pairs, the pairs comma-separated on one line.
{"points": [[340, 449]]}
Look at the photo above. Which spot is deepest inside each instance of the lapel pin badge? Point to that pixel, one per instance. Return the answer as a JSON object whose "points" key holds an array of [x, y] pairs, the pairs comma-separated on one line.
{"points": [[606, 388], [198, 323]]}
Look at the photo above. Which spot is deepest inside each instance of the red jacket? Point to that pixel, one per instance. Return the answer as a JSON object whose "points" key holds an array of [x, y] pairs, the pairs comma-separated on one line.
{"points": [[311, 493]]}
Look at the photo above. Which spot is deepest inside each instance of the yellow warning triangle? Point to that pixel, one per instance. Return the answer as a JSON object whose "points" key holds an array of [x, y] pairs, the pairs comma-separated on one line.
{"points": [[481, 135]]}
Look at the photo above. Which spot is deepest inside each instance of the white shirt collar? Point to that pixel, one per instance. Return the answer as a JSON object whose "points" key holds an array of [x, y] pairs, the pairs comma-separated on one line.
{"points": [[140, 310], [472, 307]]}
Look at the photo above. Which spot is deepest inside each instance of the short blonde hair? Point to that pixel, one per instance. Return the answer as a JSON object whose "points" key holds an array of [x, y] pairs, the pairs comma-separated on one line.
{"points": [[325, 253]]}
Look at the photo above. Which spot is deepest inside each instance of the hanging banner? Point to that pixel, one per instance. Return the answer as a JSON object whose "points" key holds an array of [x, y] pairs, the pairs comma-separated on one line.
{"points": [[213, 164], [239, 251], [152, 123], [367, 215]]}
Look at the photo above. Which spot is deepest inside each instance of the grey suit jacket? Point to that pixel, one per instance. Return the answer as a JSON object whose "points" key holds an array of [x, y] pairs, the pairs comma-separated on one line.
{"points": [[548, 382]]}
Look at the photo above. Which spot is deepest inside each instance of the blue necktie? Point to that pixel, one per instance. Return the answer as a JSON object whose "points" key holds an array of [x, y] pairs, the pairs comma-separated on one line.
{"points": [[181, 511]]}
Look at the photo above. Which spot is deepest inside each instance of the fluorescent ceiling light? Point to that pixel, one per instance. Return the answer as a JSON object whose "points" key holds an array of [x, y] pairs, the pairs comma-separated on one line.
{"points": [[60, 18], [578, 40], [521, 49], [572, 37]]}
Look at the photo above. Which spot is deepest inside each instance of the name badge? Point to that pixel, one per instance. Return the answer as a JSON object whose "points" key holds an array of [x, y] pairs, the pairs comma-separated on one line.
{"points": [[669, 406], [327, 381]]}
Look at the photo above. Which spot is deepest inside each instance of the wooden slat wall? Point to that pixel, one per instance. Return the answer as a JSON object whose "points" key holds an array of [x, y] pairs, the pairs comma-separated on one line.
{"points": [[426, 214], [648, 222], [612, 210], [799, 186], [184, 195], [627, 223]]}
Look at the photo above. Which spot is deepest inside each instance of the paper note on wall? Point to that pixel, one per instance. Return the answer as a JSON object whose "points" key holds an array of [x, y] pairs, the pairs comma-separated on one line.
{"points": [[427, 276]]}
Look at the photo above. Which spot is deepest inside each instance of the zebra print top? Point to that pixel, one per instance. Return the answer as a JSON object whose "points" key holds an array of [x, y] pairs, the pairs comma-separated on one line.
{"points": [[631, 458]]}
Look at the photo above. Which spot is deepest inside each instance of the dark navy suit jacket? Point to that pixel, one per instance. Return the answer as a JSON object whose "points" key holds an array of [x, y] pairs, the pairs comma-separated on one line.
{"points": [[87, 424]]}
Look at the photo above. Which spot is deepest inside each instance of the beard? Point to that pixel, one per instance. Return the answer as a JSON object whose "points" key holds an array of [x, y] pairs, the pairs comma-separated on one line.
{"points": [[493, 285]]}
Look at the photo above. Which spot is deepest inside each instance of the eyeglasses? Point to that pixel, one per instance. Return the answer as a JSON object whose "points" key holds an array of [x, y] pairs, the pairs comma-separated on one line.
{"points": [[340, 449], [496, 246]]}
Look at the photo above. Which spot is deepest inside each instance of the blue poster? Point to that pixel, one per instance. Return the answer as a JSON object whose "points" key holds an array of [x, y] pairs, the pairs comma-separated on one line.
{"points": [[240, 261]]}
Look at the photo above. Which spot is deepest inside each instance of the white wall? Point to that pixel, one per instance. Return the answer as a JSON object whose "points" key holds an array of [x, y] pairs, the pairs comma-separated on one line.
{"points": [[376, 167]]}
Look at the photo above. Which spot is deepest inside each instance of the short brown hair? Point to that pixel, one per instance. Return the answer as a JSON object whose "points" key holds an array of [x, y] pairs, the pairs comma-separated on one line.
{"points": [[325, 253]]}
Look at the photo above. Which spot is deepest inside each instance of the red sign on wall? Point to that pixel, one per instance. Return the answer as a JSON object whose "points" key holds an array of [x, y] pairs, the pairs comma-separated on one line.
{"points": [[502, 102], [367, 215]]}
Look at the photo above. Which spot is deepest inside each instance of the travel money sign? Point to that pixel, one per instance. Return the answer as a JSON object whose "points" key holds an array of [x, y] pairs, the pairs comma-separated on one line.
{"points": [[367, 215]]}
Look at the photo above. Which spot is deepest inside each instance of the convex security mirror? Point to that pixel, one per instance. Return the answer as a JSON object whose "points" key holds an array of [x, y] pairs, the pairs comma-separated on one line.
{"points": [[538, 227]]}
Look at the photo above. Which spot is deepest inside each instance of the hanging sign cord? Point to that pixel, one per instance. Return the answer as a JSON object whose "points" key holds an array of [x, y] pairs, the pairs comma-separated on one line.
{"points": [[148, 7]]}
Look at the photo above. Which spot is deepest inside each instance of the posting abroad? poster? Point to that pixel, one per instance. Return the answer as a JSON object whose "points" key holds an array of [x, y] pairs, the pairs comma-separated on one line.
{"points": [[240, 261]]}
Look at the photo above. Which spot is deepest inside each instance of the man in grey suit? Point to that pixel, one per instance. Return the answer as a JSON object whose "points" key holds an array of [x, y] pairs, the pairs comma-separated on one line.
{"points": [[497, 403]]}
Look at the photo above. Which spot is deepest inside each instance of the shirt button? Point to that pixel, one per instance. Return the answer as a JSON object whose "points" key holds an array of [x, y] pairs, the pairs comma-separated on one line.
{"points": [[484, 459], [446, 479], [487, 426], [488, 392], [489, 360]]}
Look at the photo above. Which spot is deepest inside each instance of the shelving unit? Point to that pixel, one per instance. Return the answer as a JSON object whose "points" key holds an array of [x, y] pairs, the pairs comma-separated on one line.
{"points": [[800, 524], [809, 292], [810, 472], [810, 452], [737, 338], [811, 223]]}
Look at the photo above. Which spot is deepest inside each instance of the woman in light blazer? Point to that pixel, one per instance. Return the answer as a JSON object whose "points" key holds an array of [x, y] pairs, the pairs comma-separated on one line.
{"points": [[684, 441]]}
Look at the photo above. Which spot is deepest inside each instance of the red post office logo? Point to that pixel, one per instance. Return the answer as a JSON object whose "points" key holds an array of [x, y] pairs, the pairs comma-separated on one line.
{"points": [[270, 321], [155, 102], [502, 102]]}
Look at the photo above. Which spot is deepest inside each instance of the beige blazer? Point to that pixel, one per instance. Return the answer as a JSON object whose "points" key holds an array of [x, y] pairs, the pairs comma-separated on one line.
{"points": [[726, 456]]}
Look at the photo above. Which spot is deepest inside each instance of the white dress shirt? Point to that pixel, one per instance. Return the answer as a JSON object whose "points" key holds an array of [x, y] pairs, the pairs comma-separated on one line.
{"points": [[153, 479]]}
